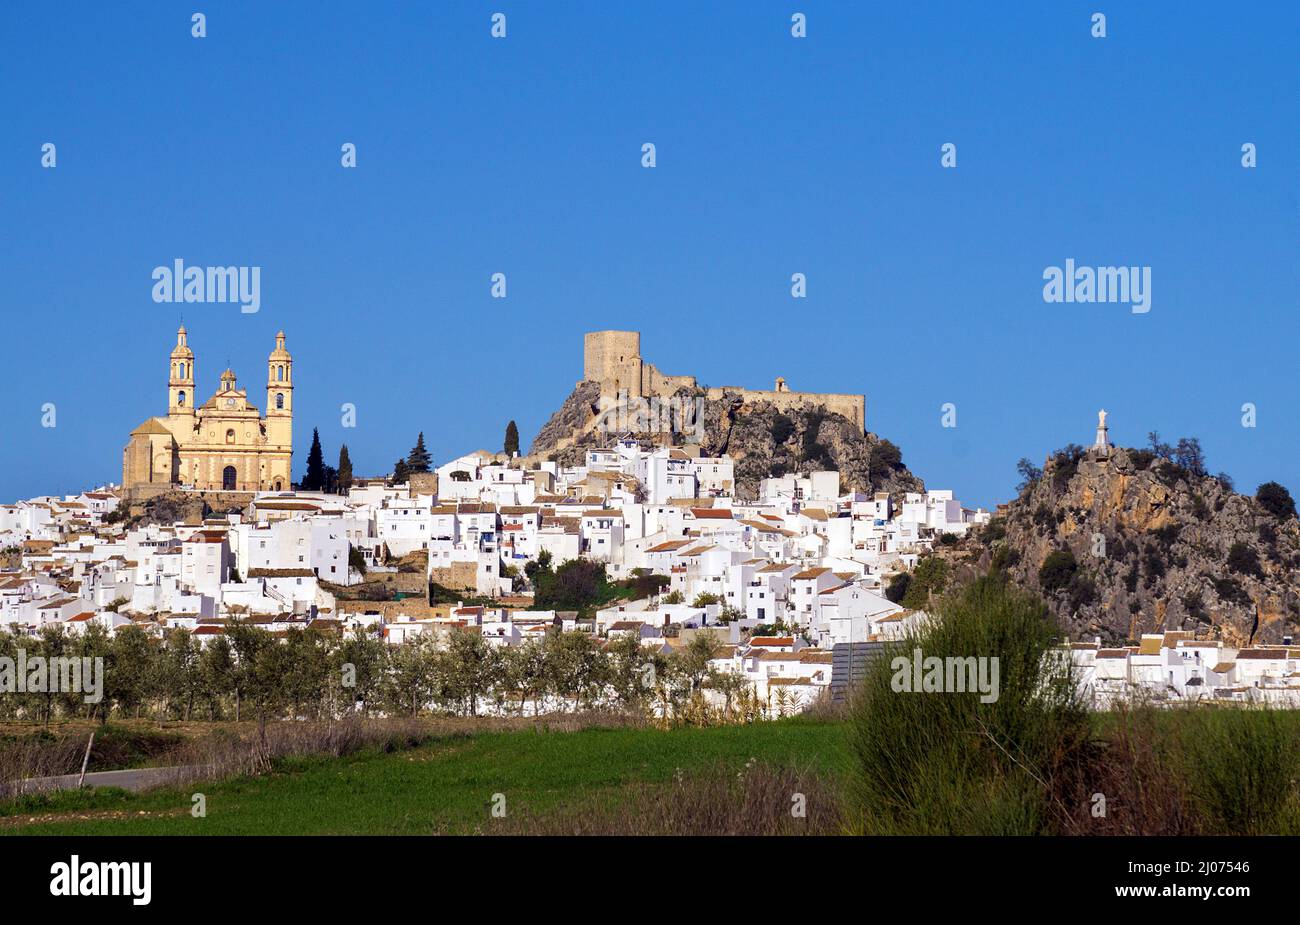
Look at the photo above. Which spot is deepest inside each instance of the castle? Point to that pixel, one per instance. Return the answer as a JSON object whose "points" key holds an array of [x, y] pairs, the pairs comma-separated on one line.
{"points": [[223, 444], [613, 359]]}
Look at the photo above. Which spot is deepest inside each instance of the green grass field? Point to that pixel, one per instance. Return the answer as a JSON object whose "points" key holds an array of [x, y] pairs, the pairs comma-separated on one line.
{"points": [[444, 786]]}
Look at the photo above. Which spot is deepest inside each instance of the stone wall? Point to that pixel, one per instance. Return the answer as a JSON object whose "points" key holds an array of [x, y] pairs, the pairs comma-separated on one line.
{"points": [[654, 382], [459, 576], [422, 483], [613, 360], [852, 407]]}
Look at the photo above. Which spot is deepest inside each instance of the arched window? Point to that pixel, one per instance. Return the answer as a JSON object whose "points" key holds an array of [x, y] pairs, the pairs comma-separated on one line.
{"points": [[182, 370], [279, 373], [230, 436], [279, 401], [180, 399]]}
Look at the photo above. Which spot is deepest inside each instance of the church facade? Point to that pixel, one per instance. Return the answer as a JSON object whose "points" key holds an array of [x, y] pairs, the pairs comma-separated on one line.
{"points": [[226, 443]]}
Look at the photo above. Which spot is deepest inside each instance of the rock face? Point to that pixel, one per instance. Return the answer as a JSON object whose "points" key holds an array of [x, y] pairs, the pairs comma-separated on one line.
{"points": [[169, 507], [764, 440], [1154, 548]]}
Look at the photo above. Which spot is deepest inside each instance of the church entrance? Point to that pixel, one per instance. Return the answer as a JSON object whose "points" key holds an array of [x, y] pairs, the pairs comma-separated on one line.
{"points": [[228, 478]]}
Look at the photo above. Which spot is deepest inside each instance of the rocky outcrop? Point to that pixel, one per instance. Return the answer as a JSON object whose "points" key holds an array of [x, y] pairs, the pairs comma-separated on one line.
{"points": [[572, 419], [175, 506], [1134, 543], [764, 440]]}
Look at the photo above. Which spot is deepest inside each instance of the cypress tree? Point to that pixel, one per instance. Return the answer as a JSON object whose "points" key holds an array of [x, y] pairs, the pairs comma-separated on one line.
{"points": [[345, 469], [512, 439], [314, 480], [419, 460]]}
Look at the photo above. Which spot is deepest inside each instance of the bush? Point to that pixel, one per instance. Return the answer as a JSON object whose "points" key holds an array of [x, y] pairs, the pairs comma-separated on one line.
{"points": [[782, 428], [1057, 570], [931, 576], [1244, 559], [885, 456], [1229, 589], [898, 586], [946, 763], [1275, 499], [1065, 465], [1242, 766]]}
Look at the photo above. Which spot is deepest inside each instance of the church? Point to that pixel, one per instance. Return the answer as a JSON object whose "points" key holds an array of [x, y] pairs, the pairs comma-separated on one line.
{"points": [[223, 444]]}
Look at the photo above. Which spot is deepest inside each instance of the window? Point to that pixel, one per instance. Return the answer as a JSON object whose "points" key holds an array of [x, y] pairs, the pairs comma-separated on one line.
{"points": [[279, 401], [279, 373], [230, 436], [180, 398]]}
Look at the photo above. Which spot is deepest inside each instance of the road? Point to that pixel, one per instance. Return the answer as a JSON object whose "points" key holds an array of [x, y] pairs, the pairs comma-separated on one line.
{"points": [[134, 779]]}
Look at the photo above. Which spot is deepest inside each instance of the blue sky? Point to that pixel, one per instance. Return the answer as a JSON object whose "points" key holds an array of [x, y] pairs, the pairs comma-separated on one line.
{"points": [[775, 155]]}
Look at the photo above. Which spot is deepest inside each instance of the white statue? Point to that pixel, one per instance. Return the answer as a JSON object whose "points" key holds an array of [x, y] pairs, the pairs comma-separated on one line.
{"points": [[1102, 442]]}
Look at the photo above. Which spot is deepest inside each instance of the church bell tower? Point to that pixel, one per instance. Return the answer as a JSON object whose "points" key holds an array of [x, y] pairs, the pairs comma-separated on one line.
{"points": [[279, 395], [180, 385]]}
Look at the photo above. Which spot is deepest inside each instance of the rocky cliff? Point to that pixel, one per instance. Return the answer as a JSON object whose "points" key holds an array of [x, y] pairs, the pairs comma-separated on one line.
{"points": [[764, 440], [1131, 543]]}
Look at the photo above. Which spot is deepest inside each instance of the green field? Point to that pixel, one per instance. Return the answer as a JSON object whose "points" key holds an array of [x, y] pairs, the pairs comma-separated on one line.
{"points": [[444, 786]]}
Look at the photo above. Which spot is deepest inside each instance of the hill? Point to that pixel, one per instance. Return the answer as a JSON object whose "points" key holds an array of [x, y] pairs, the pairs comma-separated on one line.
{"points": [[765, 441], [1127, 542]]}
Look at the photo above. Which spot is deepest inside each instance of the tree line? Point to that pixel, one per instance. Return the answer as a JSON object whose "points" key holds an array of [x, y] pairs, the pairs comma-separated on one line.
{"points": [[339, 479], [250, 673]]}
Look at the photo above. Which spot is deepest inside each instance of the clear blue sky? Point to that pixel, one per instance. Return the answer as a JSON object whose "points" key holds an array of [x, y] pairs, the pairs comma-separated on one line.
{"points": [[775, 155]]}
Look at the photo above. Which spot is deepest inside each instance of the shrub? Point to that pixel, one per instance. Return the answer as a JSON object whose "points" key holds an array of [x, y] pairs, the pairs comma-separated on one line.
{"points": [[1057, 570], [782, 428], [1244, 559], [898, 586], [1167, 535], [1195, 606], [1141, 458], [1153, 564], [1083, 591], [885, 456], [994, 530], [1065, 464], [1242, 765], [946, 763], [1230, 590], [931, 576], [1275, 499]]}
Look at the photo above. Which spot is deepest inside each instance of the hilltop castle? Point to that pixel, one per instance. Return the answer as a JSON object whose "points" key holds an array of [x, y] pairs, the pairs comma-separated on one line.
{"points": [[613, 359], [225, 443]]}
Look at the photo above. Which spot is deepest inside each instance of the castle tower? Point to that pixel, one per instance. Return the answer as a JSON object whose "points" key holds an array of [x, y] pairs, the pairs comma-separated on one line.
{"points": [[279, 395], [613, 358], [180, 384]]}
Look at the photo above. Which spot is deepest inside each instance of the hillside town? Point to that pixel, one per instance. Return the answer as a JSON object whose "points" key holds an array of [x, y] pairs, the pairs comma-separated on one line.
{"points": [[780, 583]]}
